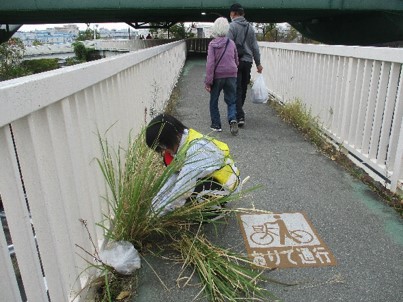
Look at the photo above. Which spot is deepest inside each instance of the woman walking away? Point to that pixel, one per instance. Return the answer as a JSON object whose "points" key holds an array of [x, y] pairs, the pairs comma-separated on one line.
{"points": [[221, 74]]}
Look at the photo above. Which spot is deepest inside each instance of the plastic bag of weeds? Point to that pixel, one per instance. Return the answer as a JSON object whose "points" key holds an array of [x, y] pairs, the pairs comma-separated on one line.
{"points": [[122, 256]]}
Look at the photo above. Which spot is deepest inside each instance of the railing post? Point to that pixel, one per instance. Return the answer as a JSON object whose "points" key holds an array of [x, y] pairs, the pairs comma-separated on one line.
{"points": [[18, 220], [8, 284], [398, 167]]}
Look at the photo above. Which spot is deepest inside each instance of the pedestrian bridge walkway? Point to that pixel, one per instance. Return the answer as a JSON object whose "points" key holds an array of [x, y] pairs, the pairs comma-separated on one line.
{"points": [[48, 145], [364, 235]]}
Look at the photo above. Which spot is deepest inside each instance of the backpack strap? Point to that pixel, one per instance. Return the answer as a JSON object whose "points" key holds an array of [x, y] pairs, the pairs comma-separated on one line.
{"points": [[246, 34]]}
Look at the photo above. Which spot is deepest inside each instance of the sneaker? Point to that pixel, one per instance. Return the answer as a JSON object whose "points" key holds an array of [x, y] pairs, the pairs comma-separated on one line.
{"points": [[215, 128], [233, 127], [241, 122]]}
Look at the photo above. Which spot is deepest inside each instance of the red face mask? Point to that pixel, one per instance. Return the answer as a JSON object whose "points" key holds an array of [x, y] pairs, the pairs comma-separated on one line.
{"points": [[167, 158]]}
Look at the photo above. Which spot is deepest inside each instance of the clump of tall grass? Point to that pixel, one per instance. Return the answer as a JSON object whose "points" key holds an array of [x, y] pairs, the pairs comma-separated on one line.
{"points": [[134, 177], [225, 275]]}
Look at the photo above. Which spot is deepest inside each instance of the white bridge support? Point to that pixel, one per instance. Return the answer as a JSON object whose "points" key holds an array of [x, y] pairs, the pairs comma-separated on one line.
{"points": [[356, 94], [49, 179]]}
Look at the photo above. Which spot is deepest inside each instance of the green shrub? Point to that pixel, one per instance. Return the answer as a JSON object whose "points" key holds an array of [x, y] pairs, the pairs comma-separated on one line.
{"points": [[80, 51], [40, 65]]}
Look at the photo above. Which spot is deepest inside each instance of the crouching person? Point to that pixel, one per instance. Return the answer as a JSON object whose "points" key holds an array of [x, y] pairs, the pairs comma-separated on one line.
{"points": [[203, 165]]}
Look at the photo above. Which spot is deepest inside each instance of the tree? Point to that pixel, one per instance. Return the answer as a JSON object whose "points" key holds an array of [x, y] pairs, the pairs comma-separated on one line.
{"points": [[270, 31], [176, 31], [80, 51], [83, 54], [291, 34], [179, 31], [281, 32], [11, 55], [87, 34]]}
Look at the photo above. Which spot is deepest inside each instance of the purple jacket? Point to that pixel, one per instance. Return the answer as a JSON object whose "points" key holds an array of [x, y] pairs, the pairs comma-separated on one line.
{"points": [[228, 66]]}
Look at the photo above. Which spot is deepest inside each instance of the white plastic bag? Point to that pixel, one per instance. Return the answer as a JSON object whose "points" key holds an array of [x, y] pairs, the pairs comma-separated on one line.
{"points": [[122, 256], [260, 92]]}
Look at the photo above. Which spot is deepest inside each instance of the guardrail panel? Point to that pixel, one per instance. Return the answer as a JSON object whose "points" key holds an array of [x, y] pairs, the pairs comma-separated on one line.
{"points": [[57, 141], [358, 101]]}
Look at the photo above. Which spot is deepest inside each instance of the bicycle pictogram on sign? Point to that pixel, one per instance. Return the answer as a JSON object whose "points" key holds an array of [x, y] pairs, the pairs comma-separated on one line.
{"points": [[264, 234], [283, 240]]}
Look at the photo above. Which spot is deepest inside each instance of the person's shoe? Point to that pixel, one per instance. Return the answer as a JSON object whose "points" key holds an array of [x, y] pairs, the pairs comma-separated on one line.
{"points": [[233, 127], [215, 128], [241, 122]]}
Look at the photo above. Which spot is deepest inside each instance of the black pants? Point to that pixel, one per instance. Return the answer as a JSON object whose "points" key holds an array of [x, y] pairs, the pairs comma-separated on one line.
{"points": [[204, 185], [207, 184], [243, 79]]}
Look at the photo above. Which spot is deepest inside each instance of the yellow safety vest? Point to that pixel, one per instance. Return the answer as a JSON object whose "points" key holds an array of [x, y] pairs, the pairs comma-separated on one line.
{"points": [[228, 175]]}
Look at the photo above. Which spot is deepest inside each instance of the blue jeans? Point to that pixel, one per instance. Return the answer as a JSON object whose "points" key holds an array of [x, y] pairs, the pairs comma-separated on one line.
{"points": [[229, 87]]}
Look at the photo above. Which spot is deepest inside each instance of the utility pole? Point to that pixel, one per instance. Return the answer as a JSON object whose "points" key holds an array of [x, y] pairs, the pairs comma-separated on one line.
{"points": [[95, 31]]}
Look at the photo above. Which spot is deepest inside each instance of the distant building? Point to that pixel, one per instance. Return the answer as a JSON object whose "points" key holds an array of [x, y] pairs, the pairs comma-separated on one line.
{"points": [[128, 33], [70, 28], [68, 34], [56, 35]]}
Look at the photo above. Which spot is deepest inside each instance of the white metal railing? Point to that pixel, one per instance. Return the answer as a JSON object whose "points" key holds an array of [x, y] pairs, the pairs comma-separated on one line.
{"points": [[356, 92], [48, 177]]}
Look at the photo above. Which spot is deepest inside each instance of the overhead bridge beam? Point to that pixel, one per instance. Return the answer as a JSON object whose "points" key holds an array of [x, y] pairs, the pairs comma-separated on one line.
{"points": [[333, 21]]}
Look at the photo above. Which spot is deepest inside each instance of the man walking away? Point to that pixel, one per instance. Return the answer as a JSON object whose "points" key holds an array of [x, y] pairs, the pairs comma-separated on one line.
{"points": [[244, 37]]}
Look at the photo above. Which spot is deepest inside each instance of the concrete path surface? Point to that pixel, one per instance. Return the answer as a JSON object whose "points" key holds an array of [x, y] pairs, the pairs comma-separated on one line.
{"points": [[364, 234]]}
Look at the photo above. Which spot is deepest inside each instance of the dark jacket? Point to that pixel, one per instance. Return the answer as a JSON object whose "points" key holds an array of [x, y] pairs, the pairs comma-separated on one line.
{"points": [[237, 31]]}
